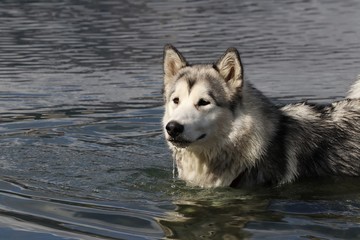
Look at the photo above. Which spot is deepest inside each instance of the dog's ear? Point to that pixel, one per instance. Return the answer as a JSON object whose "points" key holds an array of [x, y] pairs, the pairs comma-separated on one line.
{"points": [[230, 68], [173, 62]]}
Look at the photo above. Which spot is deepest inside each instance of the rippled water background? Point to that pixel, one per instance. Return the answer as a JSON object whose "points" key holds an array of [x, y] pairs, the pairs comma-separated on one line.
{"points": [[81, 149]]}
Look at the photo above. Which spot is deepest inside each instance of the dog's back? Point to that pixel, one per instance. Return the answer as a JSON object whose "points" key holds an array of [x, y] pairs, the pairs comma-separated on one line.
{"points": [[354, 91]]}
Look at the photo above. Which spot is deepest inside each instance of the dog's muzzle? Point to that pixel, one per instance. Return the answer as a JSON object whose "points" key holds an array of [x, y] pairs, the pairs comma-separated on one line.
{"points": [[174, 129]]}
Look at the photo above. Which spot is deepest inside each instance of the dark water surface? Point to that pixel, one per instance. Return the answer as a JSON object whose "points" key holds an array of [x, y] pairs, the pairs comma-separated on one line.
{"points": [[81, 149]]}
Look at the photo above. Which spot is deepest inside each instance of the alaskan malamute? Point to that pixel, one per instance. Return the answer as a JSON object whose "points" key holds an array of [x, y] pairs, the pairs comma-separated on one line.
{"points": [[225, 132]]}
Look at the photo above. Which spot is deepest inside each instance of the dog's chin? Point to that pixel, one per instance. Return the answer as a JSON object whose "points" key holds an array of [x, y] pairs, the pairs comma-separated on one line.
{"points": [[183, 143], [180, 143]]}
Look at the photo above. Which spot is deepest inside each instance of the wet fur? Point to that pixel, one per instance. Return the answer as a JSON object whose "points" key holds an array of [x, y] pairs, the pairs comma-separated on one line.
{"points": [[248, 139]]}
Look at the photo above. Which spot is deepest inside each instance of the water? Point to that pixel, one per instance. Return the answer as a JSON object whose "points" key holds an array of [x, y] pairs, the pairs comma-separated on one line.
{"points": [[82, 151]]}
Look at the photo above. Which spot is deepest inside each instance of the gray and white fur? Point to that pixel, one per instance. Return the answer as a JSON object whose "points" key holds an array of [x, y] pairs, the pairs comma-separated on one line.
{"points": [[224, 132]]}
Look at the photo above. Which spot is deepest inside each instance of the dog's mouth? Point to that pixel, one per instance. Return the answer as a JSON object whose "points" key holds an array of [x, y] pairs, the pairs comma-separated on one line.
{"points": [[201, 136], [177, 142], [182, 143]]}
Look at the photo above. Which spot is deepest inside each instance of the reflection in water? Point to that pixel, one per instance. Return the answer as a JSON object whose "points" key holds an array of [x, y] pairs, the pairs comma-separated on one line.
{"points": [[81, 108], [227, 221], [292, 211]]}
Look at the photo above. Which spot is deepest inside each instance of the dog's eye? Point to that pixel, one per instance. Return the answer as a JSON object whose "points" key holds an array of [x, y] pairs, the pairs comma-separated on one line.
{"points": [[203, 102], [176, 100]]}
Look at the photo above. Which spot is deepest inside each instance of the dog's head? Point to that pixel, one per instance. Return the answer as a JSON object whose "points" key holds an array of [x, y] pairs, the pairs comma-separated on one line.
{"points": [[200, 99]]}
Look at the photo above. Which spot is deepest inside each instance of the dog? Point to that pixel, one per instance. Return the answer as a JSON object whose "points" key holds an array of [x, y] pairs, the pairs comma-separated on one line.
{"points": [[224, 132]]}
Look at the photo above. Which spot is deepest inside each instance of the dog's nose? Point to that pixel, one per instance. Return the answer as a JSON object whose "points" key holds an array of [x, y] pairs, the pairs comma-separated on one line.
{"points": [[174, 128]]}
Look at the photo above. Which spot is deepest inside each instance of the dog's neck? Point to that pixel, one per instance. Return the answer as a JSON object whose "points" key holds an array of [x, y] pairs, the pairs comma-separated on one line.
{"points": [[205, 168], [218, 164]]}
